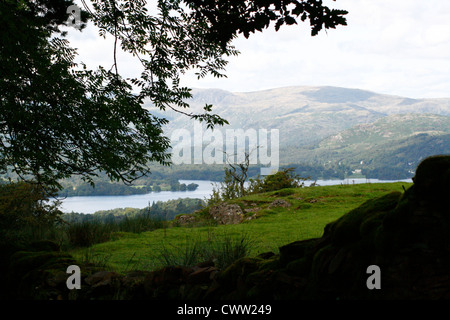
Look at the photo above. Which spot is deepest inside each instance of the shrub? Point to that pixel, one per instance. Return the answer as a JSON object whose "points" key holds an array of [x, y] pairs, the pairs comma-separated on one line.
{"points": [[285, 178], [26, 213], [231, 188]]}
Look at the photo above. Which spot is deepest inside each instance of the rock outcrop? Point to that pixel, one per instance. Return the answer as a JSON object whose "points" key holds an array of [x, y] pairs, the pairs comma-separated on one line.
{"points": [[225, 213], [279, 203]]}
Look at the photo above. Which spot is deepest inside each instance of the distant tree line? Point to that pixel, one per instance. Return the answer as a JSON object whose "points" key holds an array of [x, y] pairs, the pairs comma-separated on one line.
{"points": [[387, 173], [316, 172], [164, 210], [401, 163], [113, 189]]}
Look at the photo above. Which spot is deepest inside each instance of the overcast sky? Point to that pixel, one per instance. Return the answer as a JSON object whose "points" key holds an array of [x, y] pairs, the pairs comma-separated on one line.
{"points": [[399, 47]]}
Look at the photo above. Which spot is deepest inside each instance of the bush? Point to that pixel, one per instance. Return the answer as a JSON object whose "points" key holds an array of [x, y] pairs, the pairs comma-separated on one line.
{"points": [[231, 188], [26, 213], [285, 178]]}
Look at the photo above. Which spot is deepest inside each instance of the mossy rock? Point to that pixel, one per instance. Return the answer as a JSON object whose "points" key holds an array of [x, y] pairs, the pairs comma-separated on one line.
{"points": [[432, 176], [270, 263], [421, 216], [258, 293], [194, 292], [295, 250], [271, 284], [369, 226], [406, 204], [44, 245], [239, 268], [231, 282], [257, 277], [30, 272], [23, 261], [321, 261], [300, 266], [348, 228]]}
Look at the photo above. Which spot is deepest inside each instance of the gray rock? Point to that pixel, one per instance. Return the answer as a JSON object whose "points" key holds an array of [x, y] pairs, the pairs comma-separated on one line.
{"points": [[225, 213], [185, 219], [279, 203]]}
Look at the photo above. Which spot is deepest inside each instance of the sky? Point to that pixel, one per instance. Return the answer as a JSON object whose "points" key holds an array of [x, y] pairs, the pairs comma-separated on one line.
{"points": [[399, 47]]}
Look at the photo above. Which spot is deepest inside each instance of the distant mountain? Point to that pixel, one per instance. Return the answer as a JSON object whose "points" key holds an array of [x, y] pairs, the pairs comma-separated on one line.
{"points": [[331, 125], [303, 115]]}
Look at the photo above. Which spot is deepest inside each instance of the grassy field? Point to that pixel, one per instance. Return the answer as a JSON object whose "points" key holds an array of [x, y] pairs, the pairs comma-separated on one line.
{"points": [[311, 209]]}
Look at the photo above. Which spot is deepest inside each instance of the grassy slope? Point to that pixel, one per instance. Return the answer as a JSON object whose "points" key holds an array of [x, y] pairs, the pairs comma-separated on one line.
{"points": [[273, 228]]}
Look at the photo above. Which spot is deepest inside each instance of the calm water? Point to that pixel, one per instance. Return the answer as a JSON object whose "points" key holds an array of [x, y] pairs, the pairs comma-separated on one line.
{"points": [[97, 203], [204, 190]]}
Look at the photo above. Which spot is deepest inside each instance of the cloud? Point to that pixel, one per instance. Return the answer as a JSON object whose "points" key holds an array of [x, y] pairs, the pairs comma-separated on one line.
{"points": [[397, 47]]}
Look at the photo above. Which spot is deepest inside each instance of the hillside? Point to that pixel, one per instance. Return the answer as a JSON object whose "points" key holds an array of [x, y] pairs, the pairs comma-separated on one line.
{"points": [[388, 129], [398, 141], [314, 243]]}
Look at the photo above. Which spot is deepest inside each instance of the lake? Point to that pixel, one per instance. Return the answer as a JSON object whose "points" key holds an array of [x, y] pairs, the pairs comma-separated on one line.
{"points": [[204, 190]]}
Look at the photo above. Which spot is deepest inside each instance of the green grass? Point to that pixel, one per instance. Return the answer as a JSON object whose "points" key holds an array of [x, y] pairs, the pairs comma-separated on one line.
{"points": [[312, 208]]}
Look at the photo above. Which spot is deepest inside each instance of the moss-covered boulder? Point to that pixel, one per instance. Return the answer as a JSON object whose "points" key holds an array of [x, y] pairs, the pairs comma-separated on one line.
{"points": [[432, 178], [231, 282], [296, 250], [362, 220], [32, 274], [44, 245]]}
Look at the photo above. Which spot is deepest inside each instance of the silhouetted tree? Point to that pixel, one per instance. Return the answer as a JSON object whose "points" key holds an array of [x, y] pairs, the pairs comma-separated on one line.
{"points": [[57, 118]]}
